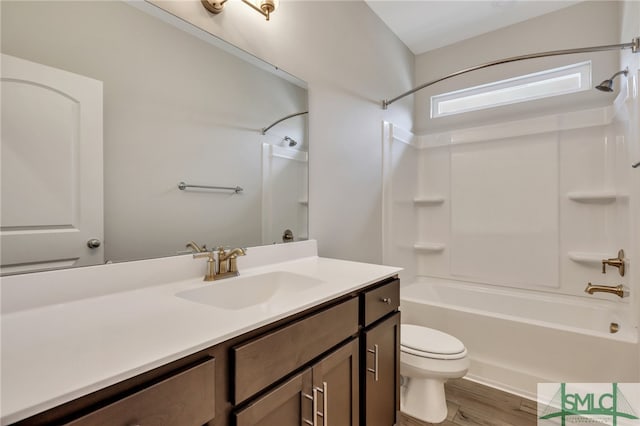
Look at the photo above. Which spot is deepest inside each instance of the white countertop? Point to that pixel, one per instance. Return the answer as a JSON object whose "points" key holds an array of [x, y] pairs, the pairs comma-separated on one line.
{"points": [[55, 353]]}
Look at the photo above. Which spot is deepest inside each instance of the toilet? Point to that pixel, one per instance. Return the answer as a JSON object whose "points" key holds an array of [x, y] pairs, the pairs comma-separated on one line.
{"points": [[428, 358]]}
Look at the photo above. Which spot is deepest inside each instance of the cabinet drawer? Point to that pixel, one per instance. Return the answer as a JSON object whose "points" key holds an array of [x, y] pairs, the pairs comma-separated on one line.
{"points": [[186, 398], [381, 301], [268, 358]]}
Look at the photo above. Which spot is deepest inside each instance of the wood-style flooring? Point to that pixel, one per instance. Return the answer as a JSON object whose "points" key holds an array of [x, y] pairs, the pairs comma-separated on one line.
{"points": [[472, 404]]}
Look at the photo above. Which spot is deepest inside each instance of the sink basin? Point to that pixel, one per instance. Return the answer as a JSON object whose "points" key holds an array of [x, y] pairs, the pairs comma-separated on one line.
{"points": [[266, 291]]}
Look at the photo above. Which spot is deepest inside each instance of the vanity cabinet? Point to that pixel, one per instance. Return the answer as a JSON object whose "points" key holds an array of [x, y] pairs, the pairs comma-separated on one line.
{"points": [[335, 364]]}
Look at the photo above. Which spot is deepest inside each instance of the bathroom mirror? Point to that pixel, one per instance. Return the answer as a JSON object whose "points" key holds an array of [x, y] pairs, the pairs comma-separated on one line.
{"points": [[133, 102]]}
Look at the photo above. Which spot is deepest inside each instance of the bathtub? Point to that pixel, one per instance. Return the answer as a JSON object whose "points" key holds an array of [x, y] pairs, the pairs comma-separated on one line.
{"points": [[519, 338]]}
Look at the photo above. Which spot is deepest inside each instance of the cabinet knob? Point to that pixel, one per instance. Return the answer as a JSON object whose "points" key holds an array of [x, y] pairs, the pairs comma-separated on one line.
{"points": [[386, 300]]}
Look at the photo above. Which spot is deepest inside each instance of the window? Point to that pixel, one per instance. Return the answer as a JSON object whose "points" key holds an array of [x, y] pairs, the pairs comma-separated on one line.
{"points": [[553, 82]]}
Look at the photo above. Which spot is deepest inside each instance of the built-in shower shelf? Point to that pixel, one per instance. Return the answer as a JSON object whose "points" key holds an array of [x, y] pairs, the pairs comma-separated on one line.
{"points": [[595, 197], [588, 258], [433, 200], [429, 247]]}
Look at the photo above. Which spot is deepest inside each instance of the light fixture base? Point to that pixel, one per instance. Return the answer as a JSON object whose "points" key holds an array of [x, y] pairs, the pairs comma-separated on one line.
{"points": [[214, 6]]}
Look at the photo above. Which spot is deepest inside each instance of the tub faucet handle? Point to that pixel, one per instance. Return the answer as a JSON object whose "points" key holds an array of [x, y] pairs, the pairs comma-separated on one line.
{"points": [[617, 262]]}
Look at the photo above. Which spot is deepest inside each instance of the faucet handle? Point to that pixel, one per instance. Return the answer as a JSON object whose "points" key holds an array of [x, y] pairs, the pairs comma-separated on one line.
{"points": [[617, 262], [211, 266], [195, 247]]}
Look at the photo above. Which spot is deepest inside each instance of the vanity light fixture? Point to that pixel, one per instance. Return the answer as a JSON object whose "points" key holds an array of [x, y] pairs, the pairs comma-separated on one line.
{"points": [[264, 7]]}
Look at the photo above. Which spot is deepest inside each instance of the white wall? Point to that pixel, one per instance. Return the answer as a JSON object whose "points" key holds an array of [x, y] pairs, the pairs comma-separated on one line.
{"points": [[175, 109], [351, 62]]}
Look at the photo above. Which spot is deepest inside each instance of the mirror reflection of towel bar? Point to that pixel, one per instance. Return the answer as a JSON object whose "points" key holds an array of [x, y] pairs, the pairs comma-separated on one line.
{"points": [[182, 186]]}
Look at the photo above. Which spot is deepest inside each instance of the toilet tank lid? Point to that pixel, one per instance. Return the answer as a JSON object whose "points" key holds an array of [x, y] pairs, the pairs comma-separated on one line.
{"points": [[429, 340]]}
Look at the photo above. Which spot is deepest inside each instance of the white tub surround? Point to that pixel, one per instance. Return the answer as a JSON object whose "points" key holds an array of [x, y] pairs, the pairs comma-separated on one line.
{"points": [[465, 205], [68, 333]]}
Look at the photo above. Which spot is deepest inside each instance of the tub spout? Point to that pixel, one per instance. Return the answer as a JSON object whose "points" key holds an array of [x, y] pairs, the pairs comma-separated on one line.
{"points": [[618, 290]]}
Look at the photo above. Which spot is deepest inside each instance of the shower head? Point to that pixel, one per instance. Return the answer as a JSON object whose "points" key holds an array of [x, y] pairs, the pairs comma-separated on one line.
{"points": [[291, 141], [607, 85]]}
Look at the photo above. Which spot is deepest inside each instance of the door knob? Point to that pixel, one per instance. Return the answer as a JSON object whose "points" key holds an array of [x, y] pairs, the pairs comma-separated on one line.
{"points": [[93, 243]]}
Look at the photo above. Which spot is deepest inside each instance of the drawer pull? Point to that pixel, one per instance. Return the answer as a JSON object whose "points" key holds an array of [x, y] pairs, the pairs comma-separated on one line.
{"points": [[386, 300], [374, 370], [314, 405], [325, 412]]}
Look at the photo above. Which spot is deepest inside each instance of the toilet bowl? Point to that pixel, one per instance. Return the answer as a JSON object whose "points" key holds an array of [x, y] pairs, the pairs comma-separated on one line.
{"points": [[428, 358]]}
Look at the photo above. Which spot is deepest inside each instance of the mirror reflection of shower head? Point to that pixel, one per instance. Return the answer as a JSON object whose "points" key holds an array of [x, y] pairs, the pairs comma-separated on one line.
{"points": [[607, 85], [291, 141]]}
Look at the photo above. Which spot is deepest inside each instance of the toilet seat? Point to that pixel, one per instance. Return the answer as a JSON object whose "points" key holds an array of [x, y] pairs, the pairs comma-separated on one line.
{"points": [[429, 343], [430, 355]]}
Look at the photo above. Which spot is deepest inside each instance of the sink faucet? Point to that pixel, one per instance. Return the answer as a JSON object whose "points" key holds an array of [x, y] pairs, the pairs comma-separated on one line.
{"points": [[224, 266]]}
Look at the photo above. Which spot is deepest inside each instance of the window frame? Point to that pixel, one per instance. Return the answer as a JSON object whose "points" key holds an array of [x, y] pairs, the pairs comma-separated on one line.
{"points": [[579, 72]]}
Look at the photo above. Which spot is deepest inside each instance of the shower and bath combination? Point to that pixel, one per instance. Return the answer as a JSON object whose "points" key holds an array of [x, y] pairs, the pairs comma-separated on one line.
{"points": [[466, 307]]}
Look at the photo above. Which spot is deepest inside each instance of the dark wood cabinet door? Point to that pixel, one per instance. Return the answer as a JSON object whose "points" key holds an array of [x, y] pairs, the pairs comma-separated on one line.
{"points": [[381, 393], [289, 404], [336, 387]]}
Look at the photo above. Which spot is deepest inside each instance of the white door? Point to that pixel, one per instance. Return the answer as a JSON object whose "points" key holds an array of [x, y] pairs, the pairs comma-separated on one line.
{"points": [[51, 159]]}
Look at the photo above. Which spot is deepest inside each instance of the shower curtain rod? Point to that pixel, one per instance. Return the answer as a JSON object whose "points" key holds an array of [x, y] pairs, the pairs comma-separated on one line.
{"points": [[266, 129], [634, 46]]}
